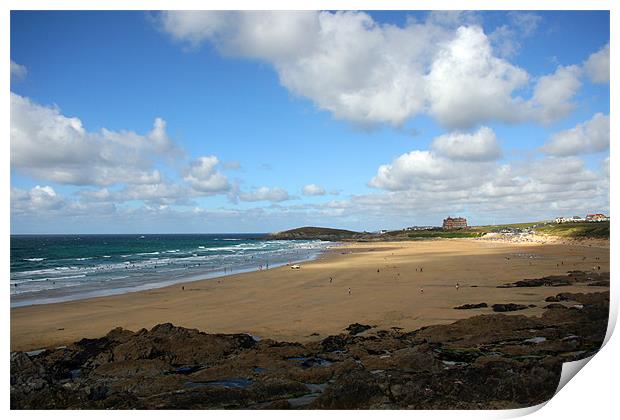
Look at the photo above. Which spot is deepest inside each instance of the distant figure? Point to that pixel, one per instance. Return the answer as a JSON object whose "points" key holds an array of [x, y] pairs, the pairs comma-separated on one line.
{"points": [[599, 267], [421, 290], [182, 287], [457, 286], [562, 262], [421, 269], [349, 290], [377, 270], [331, 280]]}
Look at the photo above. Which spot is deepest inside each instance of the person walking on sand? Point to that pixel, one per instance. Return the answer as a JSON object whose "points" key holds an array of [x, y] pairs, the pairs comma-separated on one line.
{"points": [[331, 280], [457, 285], [349, 290]]}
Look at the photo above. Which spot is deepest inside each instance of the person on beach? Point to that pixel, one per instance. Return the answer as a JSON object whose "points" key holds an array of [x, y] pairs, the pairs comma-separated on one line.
{"points": [[331, 280], [457, 286], [349, 290]]}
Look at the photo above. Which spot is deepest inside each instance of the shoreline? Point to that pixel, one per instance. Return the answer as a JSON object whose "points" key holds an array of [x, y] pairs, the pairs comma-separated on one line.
{"points": [[295, 305], [49, 297]]}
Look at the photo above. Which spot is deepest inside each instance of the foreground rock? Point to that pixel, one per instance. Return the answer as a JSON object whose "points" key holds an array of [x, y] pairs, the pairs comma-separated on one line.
{"points": [[572, 277], [484, 362], [472, 306], [508, 307]]}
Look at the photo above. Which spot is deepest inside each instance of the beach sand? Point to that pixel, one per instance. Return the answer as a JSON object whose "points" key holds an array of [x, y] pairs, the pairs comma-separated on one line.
{"points": [[291, 305]]}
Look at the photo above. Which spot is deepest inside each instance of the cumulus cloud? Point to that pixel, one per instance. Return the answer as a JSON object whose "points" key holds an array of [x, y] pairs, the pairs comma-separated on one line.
{"points": [[39, 198], [265, 194], [553, 93], [427, 170], [18, 72], [506, 39], [597, 65], [313, 189], [481, 145], [203, 176], [48, 145], [515, 191], [468, 84], [591, 136], [369, 73]]}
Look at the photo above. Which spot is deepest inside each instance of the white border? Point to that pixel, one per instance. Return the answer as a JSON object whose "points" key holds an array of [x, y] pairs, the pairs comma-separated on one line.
{"points": [[591, 395]]}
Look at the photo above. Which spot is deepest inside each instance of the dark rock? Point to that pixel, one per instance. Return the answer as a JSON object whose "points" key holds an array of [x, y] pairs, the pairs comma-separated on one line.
{"points": [[334, 343], [357, 389], [508, 307], [356, 328], [472, 306], [602, 283], [555, 306]]}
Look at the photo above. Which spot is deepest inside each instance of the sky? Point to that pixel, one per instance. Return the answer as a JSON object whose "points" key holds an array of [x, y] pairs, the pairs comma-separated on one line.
{"points": [[212, 122]]}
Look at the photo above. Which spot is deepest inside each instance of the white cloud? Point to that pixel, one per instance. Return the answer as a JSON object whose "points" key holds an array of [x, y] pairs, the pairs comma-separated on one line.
{"points": [[525, 23], [468, 84], [481, 145], [18, 72], [427, 170], [506, 39], [517, 191], [591, 136], [597, 65], [51, 146], [203, 176], [313, 189], [265, 194], [232, 164], [553, 93], [37, 199], [370, 73]]}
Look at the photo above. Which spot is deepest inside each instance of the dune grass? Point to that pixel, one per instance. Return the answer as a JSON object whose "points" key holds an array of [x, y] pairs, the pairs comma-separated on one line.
{"points": [[576, 230]]}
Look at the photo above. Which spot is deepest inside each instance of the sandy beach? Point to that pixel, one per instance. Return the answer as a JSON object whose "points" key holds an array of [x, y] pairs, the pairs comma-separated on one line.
{"points": [[385, 281]]}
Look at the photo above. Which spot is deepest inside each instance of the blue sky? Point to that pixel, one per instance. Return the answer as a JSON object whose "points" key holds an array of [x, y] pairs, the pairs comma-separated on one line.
{"points": [[273, 120]]}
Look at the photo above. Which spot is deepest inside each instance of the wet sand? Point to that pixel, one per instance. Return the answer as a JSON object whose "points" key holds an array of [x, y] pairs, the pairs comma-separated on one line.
{"points": [[385, 279]]}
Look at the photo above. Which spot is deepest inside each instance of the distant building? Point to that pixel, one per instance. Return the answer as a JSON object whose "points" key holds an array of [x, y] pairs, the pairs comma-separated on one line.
{"points": [[420, 228], [573, 219], [455, 223], [597, 217]]}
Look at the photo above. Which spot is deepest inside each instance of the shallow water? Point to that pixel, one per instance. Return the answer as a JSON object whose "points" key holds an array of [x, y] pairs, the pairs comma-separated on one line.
{"points": [[56, 268]]}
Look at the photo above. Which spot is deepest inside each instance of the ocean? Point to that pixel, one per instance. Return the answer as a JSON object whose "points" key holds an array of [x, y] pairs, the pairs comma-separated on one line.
{"points": [[58, 268]]}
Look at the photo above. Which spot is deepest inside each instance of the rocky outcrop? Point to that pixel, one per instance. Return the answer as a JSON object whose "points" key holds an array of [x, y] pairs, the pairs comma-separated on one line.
{"points": [[571, 277], [508, 307], [324, 234], [483, 362], [356, 328], [472, 306]]}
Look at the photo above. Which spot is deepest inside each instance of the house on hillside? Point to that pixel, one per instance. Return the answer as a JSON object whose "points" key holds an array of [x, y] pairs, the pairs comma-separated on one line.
{"points": [[597, 217], [574, 219]]}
